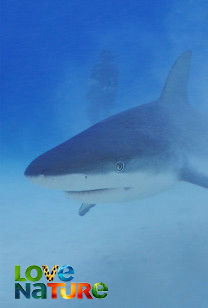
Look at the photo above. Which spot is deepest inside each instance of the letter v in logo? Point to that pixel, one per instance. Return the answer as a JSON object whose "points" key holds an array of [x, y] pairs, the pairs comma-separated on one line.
{"points": [[49, 276]]}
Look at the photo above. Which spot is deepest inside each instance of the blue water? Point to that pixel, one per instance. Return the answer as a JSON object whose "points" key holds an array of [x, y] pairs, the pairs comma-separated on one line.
{"points": [[150, 253]]}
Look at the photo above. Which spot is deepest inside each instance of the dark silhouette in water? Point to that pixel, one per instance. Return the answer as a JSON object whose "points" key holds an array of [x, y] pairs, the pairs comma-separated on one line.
{"points": [[103, 87]]}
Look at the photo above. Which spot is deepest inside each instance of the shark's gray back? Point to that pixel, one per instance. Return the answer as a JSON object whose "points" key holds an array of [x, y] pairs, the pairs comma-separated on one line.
{"points": [[141, 132], [159, 134]]}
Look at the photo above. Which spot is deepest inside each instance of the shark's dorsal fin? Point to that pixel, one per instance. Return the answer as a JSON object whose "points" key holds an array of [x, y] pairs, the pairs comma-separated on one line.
{"points": [[175, 89]]}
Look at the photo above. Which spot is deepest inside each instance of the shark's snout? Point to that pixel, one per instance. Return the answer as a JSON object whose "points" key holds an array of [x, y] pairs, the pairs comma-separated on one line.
{"points": [[62, 168], [35, 170], [55, 162], [44, 165]]}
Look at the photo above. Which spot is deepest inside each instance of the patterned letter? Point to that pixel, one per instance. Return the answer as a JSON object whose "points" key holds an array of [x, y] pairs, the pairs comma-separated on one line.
{"points": [[49, 276], [29, 270], [54, 287], [17, 274], [19, 288], [85, 291], [65, 270], [95, 290], [42, 290], [73, 291]]}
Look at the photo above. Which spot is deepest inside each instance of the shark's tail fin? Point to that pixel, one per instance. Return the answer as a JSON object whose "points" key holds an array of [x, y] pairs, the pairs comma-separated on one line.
{"points": [[175, 90]]}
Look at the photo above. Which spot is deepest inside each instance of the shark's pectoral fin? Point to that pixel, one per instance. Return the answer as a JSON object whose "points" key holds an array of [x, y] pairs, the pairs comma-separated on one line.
{"points": [[84, 208], [194, 177]]}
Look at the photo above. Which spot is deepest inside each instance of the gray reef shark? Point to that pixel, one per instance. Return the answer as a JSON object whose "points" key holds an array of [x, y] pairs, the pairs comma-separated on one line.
{"points": [[134, 154]]}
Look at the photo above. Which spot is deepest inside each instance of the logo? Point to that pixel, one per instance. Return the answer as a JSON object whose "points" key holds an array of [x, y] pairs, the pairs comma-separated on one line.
{"points": [[39, 290]]}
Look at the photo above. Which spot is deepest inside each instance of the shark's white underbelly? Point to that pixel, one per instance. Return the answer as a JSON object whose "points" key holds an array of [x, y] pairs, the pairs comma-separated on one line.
{"points": [[143, 187], [114, 187]]}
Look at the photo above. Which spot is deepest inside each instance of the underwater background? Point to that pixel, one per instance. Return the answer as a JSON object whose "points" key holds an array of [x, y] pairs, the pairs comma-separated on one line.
{"points": [[151, 252]]}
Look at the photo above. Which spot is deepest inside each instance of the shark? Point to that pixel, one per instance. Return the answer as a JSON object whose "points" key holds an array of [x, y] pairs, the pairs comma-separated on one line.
{"points": [[134, 154]]}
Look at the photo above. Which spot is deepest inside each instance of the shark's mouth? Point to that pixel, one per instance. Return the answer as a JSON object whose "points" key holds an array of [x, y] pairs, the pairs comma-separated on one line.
{"points": [[98, 190]]}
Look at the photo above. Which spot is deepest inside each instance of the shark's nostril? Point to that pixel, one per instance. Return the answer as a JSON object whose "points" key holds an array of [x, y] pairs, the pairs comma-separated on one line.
{"points": [[43, 171]]}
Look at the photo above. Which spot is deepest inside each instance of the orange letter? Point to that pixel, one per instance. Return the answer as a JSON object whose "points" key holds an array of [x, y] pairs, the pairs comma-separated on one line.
{"points": [[86, 291], [49, 276], [54, 287], [73, 291]]}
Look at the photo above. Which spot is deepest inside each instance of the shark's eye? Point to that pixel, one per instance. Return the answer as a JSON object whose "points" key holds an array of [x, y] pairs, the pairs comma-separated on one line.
{"points": [[119, 166]]}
